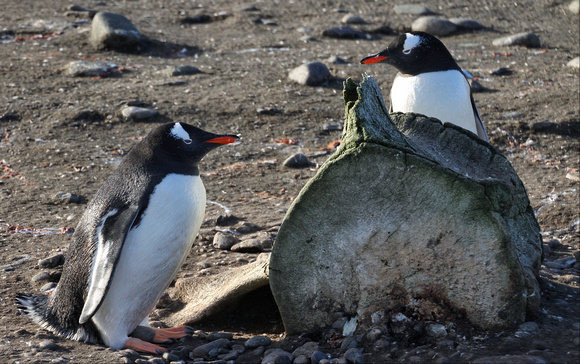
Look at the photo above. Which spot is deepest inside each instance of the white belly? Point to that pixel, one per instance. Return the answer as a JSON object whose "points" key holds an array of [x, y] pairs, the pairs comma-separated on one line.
{"points": [[151, 256], [443, 95]]}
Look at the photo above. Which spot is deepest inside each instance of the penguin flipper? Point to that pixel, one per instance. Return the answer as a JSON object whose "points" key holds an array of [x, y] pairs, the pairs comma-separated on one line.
{"points": [[114, 224], [478, 122]]}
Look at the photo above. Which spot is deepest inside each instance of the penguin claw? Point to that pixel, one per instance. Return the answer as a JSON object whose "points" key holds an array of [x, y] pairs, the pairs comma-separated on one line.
{"points": [[171, 335]]}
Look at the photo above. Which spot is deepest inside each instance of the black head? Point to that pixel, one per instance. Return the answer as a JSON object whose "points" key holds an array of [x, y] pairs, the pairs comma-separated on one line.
{"points": [[414, 53], [182, 143]]}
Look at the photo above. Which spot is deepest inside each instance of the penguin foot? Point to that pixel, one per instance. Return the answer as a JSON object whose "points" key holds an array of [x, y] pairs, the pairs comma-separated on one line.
{"points": [[171, 334], [143, 346]]}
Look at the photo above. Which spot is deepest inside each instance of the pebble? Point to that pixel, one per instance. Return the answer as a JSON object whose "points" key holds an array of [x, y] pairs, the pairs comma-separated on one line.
{"points": [[555, 244], [354, 355], [67, 197], [219, 335], [180, 71], [248, 228], [336, 60], [554, 265], [110, 30], [51, 261], [297, 160], [475, 86], [48, 287], [48, 345], [433, 25], [89, 69], [308, 38], [310, 74], [505, 359], [526, 39], [344, 32], [412, 9], [203, 350], [529, 326], [250, 246], [317, 356], [301, 359], [574, 63], [257, 341], [512, 115], [277, 356], [436, 330], [137, 113], [348, 343], [333, 126], [170, 357], [502, 71], [574, 7], [306, 349], [40, 277], [352, 19], [373, 334], [466, 23], [224, 241]]}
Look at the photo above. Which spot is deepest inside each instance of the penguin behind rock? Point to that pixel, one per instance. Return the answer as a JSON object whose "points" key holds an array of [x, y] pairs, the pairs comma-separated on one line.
{"points": [[129, 244], [429, 81]]}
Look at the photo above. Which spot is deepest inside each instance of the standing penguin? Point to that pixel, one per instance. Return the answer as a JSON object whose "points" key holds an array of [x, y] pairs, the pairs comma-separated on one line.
{"points": [[129, 244], [429, 81]]}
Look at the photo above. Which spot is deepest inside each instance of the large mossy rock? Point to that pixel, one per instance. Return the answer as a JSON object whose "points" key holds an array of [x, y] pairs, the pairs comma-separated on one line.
{"points": [[407, 209]]}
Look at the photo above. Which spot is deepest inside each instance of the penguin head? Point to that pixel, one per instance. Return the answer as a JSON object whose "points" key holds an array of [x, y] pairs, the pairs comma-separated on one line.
{"points": [[185, 143], [414, 53]]}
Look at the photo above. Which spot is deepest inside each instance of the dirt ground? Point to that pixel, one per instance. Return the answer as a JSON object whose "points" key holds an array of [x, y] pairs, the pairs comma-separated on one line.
{"points": [[66, 134]]}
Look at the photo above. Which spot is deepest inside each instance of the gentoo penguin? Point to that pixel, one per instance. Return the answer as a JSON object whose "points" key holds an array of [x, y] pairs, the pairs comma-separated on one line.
{"points": [[129, 244], [429, 81]]}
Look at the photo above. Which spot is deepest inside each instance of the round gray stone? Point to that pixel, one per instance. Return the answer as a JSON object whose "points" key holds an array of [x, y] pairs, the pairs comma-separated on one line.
{"points": [[257, 341], [310, 74], [526, 39], [433, 25]]}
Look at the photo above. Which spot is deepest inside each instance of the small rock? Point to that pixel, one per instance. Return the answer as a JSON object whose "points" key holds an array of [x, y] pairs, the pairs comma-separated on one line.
{"points": [[257, 341], [348, 343], [412, 9], [339, 323], [529, 326], [114, 31], [446, 344], [224, 241], [502, 71], [436, 330], [574, 7], [277, 356], [373, 335], [555, 244], [513, 115], [336, 60], [554, 265], [52, 261], [137, 113], [317, 356], [354, 355], [308, 38], [306, 349], [352, 19], [475, 86], [343, 32], [310, 74], [301, 359], [332, 126], [269, 111], [231, 355], [297, 160], [40, 277], [465, 23], [575, 62], [169, 357], [203, 350], [48, 287], [180, 71], [67, 197], [250, 246], [520, 359], [219, 335], [526, 39], [433, 25], [196, 19], [48, 345], [89, 69]]}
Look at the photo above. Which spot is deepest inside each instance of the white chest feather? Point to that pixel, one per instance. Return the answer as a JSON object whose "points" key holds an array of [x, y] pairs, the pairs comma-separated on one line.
{"points": [[152, 254], [444, 95]]}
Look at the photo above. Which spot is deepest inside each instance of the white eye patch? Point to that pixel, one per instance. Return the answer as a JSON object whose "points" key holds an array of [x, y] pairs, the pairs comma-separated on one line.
{"points": [[411, 41], [179, 133]]}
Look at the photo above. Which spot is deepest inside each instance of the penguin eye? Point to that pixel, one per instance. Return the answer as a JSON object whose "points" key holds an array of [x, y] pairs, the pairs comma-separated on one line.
{"points": [[187, 141], [406, 51]]}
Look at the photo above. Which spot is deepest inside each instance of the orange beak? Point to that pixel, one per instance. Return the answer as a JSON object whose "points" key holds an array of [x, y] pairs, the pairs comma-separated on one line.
{"points": [[226, 139], [373, 59]]}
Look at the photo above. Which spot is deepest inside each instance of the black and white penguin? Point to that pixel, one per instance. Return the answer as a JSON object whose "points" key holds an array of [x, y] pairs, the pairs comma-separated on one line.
{"points": [[429, 81], [129, 244]]}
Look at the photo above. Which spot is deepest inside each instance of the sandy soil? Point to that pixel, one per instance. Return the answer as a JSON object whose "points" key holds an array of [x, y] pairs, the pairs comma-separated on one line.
{"points": [[64, 134]]}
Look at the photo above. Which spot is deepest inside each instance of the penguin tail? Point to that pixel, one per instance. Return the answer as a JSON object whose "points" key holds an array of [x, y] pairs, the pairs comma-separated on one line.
{"points": [[35, 306]]}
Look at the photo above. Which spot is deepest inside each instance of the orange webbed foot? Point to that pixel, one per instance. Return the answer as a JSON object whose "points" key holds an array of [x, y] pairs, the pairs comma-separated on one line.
{"points": [[143, 346], [170, 334]]}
